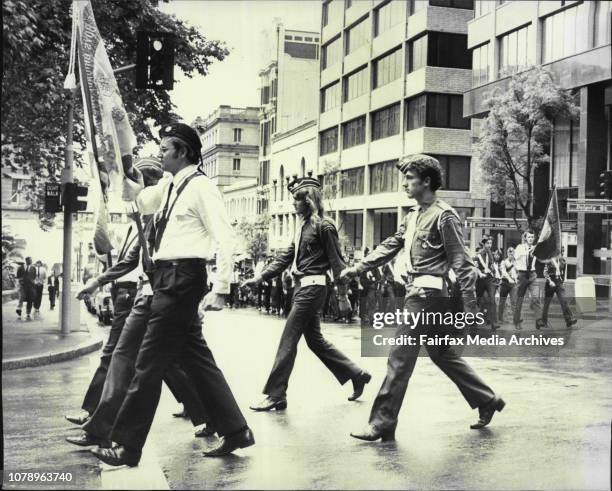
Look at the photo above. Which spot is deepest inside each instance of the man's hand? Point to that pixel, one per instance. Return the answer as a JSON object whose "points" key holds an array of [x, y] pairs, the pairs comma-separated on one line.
{"points": [[212, 301], [256, 280], [91, 286], [348, 273]]}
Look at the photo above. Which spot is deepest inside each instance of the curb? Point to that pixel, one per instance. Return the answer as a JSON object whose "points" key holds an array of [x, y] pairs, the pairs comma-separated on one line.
{"points": [[48, 358]]}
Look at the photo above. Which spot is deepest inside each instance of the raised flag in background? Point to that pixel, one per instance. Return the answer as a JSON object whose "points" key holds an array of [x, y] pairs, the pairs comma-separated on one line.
{"points": [[548, 245]]}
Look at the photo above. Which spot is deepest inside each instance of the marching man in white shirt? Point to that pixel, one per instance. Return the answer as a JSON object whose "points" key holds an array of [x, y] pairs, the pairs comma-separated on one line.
{"points": [[190, 225], [525, 265]]}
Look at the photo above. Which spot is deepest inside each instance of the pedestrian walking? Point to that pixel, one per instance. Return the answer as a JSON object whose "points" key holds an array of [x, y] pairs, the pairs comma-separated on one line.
{"points": [[509, 278], [315, 249], [40, 280], [181, 247], [526, 270], [52, 289], [431, 242], [27, 291]]}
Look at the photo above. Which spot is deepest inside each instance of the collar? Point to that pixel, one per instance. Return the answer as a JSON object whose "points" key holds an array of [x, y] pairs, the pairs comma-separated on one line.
{"points": [[183, 173]]}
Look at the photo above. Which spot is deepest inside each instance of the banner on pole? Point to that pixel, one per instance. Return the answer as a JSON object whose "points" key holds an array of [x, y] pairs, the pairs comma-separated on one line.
{"points": [[548, 245]]}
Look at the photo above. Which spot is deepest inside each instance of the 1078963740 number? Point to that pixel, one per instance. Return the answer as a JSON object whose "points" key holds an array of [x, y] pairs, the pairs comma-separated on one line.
{"points": [[31, 477]]}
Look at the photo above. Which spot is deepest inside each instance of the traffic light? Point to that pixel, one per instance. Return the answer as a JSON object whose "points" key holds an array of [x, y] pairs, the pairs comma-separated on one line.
{"points": [[71, 192], [155, 60], [605, 183]]}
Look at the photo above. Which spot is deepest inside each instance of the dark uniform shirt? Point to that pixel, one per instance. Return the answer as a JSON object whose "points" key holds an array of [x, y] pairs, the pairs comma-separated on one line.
{"points": [[318, 251], [437, 246]]}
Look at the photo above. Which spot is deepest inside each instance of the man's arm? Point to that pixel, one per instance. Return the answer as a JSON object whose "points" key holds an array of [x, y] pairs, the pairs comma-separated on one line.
{"points": [[457, 255], [331, 244], [124, 266], [280, 263], [386, 251]]}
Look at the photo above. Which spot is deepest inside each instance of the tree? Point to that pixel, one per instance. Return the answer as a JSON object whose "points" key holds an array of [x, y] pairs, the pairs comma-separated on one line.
{"points": [[515, 137], [254, 233], [36, 46]]}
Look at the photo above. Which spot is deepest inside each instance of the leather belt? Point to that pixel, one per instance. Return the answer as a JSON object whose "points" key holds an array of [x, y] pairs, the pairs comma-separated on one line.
{"points": [[172, 263], [128, 285], [315, 279]]}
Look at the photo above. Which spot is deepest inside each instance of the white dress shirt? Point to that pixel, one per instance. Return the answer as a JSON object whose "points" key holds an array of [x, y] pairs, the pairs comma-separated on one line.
{"points": [[198, 225], [521, 254]]}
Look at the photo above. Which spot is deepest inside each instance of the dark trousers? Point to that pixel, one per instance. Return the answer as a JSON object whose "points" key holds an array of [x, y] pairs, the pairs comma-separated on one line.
{"points": [[121, 371], [122, 305], [304, 319], [526, 282], [549, 292], [52, 297], [26, 294], [506, 288], [402, 360], [38, 293], [485, 291], [172, 335]]}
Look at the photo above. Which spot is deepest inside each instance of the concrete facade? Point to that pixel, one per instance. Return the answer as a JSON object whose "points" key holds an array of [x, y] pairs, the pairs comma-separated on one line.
{"points": [[230, 144], [572, 40], [381, 38]]}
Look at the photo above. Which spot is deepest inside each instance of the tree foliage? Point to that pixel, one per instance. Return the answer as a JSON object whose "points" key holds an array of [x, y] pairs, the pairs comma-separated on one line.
{"points": [[254, 233], [515, 137], [36, 46]]}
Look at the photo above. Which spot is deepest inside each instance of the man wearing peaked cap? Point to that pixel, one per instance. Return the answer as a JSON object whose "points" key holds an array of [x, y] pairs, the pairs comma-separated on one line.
{"points": [[314, 250], [183, 132], [429, 242]]}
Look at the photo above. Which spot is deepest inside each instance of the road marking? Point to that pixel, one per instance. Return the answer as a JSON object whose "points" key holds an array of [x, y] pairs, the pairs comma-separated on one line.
{"points": [[147, 475]]}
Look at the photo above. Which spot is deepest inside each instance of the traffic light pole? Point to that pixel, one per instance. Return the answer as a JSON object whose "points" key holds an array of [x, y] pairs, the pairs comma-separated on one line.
{"points": [[67, 177]]}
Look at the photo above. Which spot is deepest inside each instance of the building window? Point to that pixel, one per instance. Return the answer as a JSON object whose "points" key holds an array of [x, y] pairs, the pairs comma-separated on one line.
{"points": [[439, 49], [357, 36], [265, 95], [603, 22], [330, 97], [331, 53], [356, 84], [16, 191], [329, 141], [353, 227], [387, 16], [416, 5], [388, 68], [456, 4], [456, 172], [384, 177], [352, 182], [115, 218], [482, 7], [566, 33], [566, 136], [437, 111], [236, 165], [237, 134], [264, 173], [417, 53], [385, 122], [480, 65], [516, 51], [288, 38], [353, 132]]}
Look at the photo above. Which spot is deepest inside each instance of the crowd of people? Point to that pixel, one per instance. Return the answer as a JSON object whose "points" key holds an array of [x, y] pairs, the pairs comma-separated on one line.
{"points": [[31, 281]]}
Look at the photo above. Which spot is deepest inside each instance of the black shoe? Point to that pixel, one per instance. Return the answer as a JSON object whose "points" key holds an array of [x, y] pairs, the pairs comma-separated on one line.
{"points": [[88, 440], [18, 312], [540, 323], [228, 444], [205, 432], [486, 412], [270, 403], [570, 323], [78, 419], [359, 383], [372, 433], [118, 455], [181, 414]]}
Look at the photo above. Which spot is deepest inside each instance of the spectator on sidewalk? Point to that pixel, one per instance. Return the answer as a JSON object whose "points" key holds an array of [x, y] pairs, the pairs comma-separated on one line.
{"points": [[40, 280], [20, 276], [27, 287], [53, 289]]}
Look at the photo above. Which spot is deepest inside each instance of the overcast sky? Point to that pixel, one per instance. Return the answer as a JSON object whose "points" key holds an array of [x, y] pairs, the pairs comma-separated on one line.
{"points": [[239, 24]]}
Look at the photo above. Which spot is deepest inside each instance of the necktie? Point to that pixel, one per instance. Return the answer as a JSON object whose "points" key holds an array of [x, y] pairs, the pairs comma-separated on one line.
{"points": [[38, 272], [529, 261]]}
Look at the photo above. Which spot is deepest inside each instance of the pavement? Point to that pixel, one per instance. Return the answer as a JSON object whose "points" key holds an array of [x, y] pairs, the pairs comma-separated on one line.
{"points": [[553, 434], [39, 341]]}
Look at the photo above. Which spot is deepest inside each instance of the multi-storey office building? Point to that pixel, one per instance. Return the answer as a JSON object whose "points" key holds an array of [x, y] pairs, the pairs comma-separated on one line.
{"points": [[572, 40], [230, 144], [288, 96], [391, 83]]}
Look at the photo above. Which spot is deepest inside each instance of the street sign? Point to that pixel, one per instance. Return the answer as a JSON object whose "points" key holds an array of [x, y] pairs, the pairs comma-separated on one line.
{"points": [[589, 206], [496, 223], [52, 197]]}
